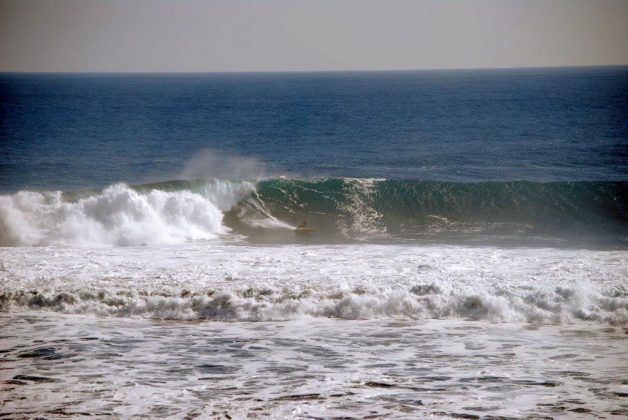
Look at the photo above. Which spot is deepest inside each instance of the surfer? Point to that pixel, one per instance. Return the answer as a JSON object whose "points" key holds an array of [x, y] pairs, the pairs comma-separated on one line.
{"points": [[303, 228]]}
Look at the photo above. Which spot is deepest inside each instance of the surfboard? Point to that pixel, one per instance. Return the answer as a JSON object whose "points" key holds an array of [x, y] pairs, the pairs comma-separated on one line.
{"points": [[304, 230]]}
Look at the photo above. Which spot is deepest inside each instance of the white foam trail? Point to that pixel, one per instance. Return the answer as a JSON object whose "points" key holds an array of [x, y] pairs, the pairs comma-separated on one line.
{"points": [[255, 214], [118, 215]]}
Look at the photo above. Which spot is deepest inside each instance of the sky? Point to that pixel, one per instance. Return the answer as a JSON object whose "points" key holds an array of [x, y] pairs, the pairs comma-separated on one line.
{"points": [[308, 35]]}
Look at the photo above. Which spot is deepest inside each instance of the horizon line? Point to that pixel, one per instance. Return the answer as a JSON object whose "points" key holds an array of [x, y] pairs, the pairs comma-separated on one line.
{"points": [[314, 71]]}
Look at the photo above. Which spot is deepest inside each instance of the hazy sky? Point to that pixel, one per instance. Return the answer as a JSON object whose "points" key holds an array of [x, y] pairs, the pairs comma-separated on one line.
{"points": [[268, 35]]}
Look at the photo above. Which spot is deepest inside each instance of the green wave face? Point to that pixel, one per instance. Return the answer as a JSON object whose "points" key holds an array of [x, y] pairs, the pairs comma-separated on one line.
{"points": [[364, 208]]}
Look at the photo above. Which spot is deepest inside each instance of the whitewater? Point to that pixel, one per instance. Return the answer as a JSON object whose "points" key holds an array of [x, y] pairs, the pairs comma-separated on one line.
{"points": [[214, 328], [235, 282]]}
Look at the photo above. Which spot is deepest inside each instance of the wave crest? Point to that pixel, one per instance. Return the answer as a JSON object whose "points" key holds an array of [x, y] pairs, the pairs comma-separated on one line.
{"points": [[339, 209]]}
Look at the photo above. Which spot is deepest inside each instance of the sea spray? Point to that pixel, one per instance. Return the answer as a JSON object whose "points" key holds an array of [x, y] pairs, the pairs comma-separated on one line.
{"points": [[118, 215]]}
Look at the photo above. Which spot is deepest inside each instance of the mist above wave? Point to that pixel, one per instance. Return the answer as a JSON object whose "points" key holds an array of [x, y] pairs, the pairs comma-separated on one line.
{"points": [[213, 164]]}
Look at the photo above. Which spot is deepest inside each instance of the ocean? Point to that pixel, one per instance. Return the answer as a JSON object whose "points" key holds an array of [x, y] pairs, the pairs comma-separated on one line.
{"points": [[465, 253]]}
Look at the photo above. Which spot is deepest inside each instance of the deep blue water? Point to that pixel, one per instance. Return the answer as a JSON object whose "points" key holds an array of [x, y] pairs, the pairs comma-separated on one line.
{"points": [[68, 131]]}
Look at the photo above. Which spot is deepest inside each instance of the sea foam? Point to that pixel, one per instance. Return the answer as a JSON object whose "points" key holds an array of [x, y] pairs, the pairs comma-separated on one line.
{"points": [[582, 303], [119, 215], [238, 282]]}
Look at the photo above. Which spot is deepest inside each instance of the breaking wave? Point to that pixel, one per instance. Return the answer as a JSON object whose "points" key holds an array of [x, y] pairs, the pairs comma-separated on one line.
{"points": [[339, 209], [119, 215], [421, 301]]}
